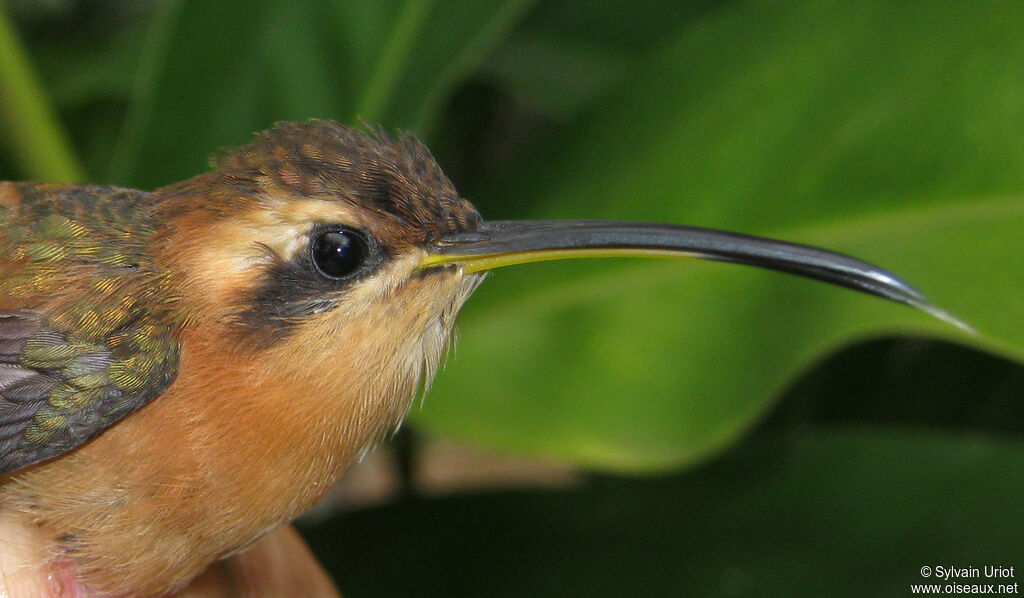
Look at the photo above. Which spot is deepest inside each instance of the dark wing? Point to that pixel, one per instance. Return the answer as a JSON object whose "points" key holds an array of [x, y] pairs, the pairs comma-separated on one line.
{"points": [[58, 390], [85, 336]]}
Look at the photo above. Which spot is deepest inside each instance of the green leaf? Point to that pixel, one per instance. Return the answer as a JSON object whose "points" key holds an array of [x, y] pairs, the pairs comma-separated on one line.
{"points": [[216, 72], [35, 137], [458, 37], [847, 512], [566, 52], [890, 131]]}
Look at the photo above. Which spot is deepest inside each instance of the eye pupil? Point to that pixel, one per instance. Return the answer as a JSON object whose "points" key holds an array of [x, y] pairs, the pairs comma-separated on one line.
{"points": [[338, 253]]}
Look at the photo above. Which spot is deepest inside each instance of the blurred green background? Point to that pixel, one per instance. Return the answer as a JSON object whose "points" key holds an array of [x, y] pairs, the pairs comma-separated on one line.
{"points": [[745, 433]]}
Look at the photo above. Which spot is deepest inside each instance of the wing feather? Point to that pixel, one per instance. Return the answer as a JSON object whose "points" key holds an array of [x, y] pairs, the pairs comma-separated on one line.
{"points": [[80, 347]]}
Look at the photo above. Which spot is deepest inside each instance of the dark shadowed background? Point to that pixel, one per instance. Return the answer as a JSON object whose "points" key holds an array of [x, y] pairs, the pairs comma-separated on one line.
{"points": [[734, 432]]}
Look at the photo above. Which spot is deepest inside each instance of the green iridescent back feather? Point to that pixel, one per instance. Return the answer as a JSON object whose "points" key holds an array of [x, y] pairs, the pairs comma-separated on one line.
{"points": [[87, 332]]}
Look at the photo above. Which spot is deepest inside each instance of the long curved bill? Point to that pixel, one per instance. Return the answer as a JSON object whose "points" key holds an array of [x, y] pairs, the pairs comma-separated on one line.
{"points": [[505, 243]]}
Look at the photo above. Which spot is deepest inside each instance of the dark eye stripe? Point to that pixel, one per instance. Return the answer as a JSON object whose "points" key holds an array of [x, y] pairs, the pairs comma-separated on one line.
{"points": [[309, 283]]}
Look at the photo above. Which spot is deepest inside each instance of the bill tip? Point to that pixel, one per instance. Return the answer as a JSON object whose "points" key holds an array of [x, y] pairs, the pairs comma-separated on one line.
{"points": [[945, 316]]}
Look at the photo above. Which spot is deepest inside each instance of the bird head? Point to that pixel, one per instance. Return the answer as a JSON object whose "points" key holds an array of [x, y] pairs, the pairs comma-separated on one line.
{"points": [[341, 257]]}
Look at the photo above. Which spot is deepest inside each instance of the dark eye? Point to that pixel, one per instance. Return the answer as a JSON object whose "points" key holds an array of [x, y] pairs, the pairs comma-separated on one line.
{"points": [[338, 253]]}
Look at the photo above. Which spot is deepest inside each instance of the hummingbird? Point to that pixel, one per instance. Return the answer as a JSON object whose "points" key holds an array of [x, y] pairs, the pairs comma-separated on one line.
{"points": [[184, 370]]}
